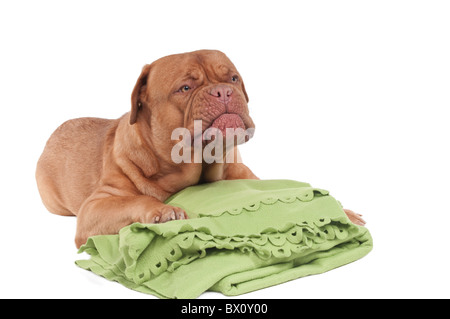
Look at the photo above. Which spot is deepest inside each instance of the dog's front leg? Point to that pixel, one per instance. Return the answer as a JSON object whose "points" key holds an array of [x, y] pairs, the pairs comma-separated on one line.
{"points": [[103, 214]]}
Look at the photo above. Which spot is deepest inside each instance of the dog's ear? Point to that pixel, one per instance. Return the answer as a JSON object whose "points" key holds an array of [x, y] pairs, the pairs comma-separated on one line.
{"points": [[138, 92]]}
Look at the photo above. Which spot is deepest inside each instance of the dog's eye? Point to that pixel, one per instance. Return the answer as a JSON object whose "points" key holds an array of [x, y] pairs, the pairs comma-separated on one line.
{"points": [[234, 78], [184, 88]]}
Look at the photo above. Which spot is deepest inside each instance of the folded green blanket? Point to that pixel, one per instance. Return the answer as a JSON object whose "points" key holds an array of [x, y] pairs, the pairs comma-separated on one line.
{"points": [[242, 235]]}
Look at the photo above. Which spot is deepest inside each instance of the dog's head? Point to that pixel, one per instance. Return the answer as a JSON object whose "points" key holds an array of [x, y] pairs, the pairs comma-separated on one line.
{"points": [[176, 90]]}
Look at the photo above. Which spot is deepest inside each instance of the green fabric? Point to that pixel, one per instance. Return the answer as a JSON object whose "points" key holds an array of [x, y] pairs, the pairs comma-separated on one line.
{"points": [[242, 235]]}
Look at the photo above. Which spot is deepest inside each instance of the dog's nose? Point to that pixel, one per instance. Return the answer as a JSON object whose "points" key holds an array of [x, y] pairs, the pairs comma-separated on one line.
{"points": [[222, 92]]}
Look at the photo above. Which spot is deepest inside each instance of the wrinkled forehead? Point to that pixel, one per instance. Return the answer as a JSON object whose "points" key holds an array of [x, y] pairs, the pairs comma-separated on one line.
{"points": [[212, 64]]}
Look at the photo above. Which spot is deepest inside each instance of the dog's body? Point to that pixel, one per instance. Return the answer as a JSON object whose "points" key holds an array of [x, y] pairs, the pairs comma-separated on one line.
{"points": [[111, 173]]}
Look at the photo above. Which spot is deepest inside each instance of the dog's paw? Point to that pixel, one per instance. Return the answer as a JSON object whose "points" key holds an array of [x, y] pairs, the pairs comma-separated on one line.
{"points": [[163, 214], [168, 213], [354, 217]]}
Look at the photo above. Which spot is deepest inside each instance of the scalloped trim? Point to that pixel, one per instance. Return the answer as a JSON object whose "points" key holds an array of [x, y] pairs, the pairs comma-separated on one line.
{"points": [[190, 244], [305, 194]]}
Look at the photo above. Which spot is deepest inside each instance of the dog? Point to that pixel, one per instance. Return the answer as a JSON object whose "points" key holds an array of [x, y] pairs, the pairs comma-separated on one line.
{"points": [[112, 173]]}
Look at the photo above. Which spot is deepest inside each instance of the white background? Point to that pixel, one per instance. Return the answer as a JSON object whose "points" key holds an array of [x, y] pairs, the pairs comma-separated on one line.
{"points": [[350, 96]]}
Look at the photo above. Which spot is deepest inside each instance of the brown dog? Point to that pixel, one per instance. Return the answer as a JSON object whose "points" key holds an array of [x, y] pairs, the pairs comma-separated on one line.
{"points": [[111, 173]]}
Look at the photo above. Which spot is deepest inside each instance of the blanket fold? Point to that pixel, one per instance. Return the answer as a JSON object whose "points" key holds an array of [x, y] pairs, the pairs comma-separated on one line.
{"points": [[242, 235]]}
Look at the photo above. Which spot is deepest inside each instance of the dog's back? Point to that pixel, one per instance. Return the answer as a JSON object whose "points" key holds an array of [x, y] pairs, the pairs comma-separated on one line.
{"points": [[64, 177]]}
